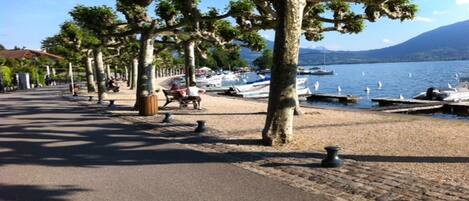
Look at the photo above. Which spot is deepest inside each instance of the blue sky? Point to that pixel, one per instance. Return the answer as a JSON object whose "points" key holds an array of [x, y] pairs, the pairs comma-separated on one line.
{"points": [[28, 22]]}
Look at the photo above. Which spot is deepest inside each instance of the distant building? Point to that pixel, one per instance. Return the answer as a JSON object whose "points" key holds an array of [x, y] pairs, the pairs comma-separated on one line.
{"points": [[27, 54]]}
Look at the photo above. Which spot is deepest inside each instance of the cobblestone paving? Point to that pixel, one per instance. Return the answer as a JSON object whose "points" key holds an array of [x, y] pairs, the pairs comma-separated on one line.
{"points": [[353, 181]]}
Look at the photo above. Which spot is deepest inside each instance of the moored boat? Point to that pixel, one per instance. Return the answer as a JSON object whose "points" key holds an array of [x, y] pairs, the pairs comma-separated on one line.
{"points": [[456, 94], [314, 71], [261, 89]]}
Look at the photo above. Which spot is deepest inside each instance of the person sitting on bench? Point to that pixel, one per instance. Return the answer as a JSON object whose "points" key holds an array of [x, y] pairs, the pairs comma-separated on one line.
{"points": [[193, 95]]}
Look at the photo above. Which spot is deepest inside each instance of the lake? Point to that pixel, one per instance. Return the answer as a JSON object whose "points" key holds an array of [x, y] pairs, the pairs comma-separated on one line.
{"points": [[406, 79]]}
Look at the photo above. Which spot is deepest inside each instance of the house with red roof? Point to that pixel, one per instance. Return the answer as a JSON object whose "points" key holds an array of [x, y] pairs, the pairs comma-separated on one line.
{"points": [[28, 54]]}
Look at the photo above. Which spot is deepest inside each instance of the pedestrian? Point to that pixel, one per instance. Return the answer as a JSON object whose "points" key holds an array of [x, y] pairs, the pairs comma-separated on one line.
{"points": [[2, 87], [48, 81], [193, 95]]}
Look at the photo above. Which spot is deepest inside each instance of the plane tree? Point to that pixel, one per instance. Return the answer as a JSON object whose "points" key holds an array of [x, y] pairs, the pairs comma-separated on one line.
{"points": [[204, 31], [75, 44], [102, 23], [128, 55], [169, 21], [293, 18]]}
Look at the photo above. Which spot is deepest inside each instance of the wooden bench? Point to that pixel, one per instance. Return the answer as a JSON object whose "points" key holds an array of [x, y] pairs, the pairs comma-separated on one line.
{"points": [[170, 97], [183, 101]]}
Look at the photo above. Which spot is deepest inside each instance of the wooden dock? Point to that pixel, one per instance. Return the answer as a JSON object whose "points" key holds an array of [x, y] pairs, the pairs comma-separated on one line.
{"points": [[340, 98], [412, 108], [394, 101], [408, 106]]}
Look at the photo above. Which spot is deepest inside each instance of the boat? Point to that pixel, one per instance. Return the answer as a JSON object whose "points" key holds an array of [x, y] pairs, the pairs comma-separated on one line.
{"points": [[261, 89], [322, 72], [450, 94], [209, 81], [314, 71]]}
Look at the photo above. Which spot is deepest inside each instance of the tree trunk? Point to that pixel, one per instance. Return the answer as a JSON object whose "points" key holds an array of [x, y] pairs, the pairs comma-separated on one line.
{"points": [[100, 74], [127, 75], [115, 72], [90, 83], [146, 71], [108, 71], [278, 129], [134, 74], [189, 60], [297, 111]]}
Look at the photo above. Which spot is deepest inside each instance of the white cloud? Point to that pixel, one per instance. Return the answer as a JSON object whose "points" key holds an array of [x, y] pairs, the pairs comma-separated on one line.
{"points": [[387, 41], [424, 19], [462, 2], [439, 12]]}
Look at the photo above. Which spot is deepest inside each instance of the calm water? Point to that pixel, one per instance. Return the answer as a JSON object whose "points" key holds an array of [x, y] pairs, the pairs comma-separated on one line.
{"points": [[354, 78]]}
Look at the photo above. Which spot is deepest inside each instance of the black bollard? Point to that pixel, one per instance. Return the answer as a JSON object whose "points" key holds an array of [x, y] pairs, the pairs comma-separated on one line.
{"points": [[111, 103], [200, 127], [90, 98], [75, 93], [167, 117], [332, 159]]}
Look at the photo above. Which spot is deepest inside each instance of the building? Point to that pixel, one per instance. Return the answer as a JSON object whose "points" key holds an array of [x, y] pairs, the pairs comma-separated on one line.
{"points": [[27, 54]]}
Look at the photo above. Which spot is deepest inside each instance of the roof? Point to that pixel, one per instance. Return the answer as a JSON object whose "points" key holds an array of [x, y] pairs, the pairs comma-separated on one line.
{"points": [[27, 54]]}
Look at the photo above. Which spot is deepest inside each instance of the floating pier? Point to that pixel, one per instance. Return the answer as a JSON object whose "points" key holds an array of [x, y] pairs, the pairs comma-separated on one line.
{"points": [[413, 108], [394, 101], [410, 106], [340, 98]]}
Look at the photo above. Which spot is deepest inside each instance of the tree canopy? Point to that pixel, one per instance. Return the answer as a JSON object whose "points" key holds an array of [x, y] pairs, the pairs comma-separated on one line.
{"points": [[264, 61]]}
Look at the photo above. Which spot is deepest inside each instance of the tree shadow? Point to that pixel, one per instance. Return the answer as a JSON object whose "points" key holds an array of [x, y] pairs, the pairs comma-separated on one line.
{"points": [[78, 137], [36, 192]]}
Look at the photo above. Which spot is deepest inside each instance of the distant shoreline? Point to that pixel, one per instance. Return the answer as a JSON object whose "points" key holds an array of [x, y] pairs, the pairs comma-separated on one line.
{"points": [[382, 62]]}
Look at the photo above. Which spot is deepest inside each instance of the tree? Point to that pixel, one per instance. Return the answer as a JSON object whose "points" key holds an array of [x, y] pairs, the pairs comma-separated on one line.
{"points": [[292, 18], [264, 61], [75, 44], [128, 56], [173, 17], [2, 47], [202, 31], [221, 58], [139, 21], [5, 76], [100, 22]]}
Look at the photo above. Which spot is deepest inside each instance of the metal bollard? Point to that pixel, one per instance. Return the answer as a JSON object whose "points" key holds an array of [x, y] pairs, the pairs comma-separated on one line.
{"points": [[200, 127], [111, 103], [75, 93], [167, 117], [90, 98], [332, 159]]}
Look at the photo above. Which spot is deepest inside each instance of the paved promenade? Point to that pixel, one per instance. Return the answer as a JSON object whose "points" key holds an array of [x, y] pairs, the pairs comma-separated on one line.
{"points": [[52, 149]]}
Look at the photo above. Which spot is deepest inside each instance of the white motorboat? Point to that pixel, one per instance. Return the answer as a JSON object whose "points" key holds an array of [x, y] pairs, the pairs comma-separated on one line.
{"points": [[453, 94], [261, 89], [322, 72], [314, 71], [212, 81]]}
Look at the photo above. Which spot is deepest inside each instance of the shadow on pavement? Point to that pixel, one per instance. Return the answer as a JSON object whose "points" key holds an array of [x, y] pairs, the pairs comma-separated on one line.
{"points": [[34, 192]]}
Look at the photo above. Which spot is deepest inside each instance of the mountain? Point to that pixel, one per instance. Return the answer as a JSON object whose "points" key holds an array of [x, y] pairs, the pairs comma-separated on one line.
{"points": [[250, 56], [445, 43]]}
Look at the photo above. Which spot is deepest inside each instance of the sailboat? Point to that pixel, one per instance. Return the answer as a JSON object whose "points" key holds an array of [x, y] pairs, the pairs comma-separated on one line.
{"points": [[316, 70]]}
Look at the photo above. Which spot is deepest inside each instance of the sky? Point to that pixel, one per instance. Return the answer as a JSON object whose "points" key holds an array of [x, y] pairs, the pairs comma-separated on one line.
{"points": [[27, 22]]}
